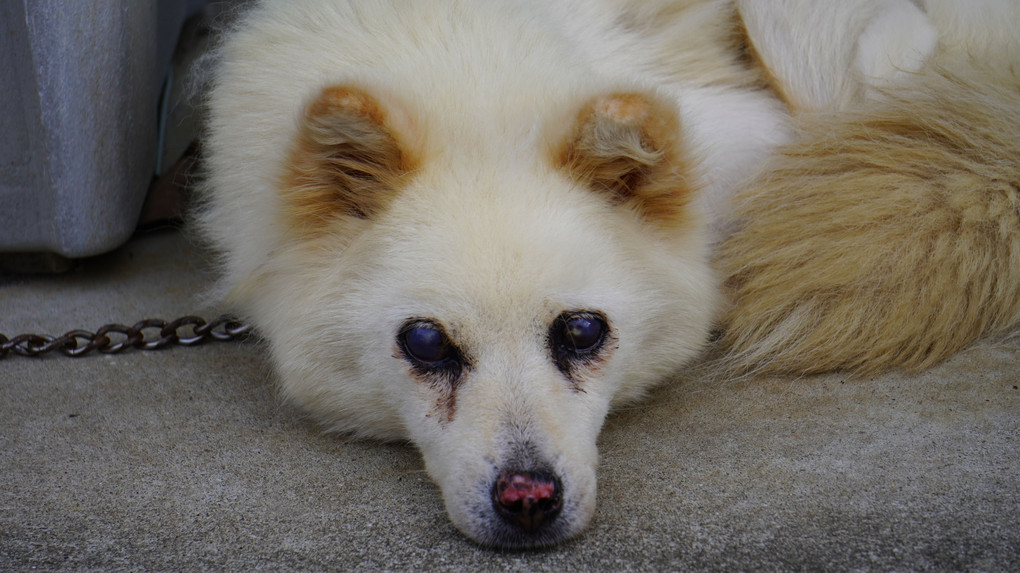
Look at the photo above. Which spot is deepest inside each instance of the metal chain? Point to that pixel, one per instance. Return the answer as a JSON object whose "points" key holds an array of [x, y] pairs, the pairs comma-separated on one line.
{"points": [[185, 331]]}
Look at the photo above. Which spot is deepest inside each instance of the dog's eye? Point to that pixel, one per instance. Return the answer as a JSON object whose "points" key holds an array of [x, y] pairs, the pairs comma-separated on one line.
{"points": [[576, 336], [427, 347], [425, 342], [583, 333]]}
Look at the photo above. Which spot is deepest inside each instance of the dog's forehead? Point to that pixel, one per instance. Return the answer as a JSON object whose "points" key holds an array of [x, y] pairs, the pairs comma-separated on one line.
{"points": [[504, 246], [507, 218]]}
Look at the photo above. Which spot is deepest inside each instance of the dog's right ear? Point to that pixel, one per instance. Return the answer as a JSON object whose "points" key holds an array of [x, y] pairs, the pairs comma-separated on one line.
{"points": [[348, 160], [629, 147]]}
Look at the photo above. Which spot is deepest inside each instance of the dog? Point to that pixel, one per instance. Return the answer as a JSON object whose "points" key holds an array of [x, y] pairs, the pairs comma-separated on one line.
{"points": [[481, 226]]}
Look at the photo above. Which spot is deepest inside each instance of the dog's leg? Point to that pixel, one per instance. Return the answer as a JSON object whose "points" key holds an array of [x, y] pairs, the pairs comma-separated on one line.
{"points": [[824, 56]]}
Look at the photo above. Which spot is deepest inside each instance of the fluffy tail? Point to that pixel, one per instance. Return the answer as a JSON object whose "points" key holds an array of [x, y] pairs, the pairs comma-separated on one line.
{"points": [[887, 239]]}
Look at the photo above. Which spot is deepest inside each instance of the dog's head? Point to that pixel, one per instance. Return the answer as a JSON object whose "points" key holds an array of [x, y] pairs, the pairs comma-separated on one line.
{"points": [[491, 301]]}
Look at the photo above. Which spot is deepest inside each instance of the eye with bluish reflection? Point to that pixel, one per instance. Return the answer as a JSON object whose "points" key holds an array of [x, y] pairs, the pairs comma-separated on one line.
{"points": [[427, 347], [583, 332], [425, 343]]}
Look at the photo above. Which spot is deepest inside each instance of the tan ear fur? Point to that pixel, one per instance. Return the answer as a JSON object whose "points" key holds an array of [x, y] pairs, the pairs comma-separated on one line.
{"points": [[347, 161], [629, 146]]}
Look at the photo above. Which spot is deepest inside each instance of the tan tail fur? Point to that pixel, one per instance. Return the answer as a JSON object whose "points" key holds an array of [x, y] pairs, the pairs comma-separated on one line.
{"points": [[887, 239]]}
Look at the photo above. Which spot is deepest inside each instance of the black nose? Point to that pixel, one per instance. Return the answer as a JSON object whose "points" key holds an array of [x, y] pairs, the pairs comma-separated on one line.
{"points": [[527, 499]]}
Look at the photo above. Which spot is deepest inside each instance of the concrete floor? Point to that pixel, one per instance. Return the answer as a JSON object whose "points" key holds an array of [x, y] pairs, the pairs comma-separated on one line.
{"points": [[185, 459]]}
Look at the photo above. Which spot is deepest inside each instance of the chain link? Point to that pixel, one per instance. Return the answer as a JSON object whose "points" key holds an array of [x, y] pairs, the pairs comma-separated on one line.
{"points": [[148, 334]]}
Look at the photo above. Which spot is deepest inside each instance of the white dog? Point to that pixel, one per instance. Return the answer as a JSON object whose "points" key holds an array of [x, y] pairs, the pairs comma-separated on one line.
{"points": [[482, 225]]}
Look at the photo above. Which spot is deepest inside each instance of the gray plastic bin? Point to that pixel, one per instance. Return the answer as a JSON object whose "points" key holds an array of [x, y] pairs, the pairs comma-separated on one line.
{"points": [[80, 84]]}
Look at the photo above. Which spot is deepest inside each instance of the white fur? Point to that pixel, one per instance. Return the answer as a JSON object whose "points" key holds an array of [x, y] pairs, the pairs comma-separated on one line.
{"points": [[896, 42], [824, 55], [489, 236], [981, 29]]}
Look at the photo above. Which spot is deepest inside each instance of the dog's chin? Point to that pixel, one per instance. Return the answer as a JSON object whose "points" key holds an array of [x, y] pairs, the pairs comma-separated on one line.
{"points": [[489, 529], [502, 535]]}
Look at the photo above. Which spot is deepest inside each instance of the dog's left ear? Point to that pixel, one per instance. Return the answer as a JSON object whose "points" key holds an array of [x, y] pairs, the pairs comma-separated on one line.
{"points": [[629, 146]]}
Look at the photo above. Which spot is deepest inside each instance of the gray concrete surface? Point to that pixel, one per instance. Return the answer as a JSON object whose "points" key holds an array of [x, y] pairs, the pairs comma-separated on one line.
{"points": [[185, 459]]}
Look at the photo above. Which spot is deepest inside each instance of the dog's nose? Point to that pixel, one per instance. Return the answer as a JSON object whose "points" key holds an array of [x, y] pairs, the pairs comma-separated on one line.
{"points": [[527, 499]]}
